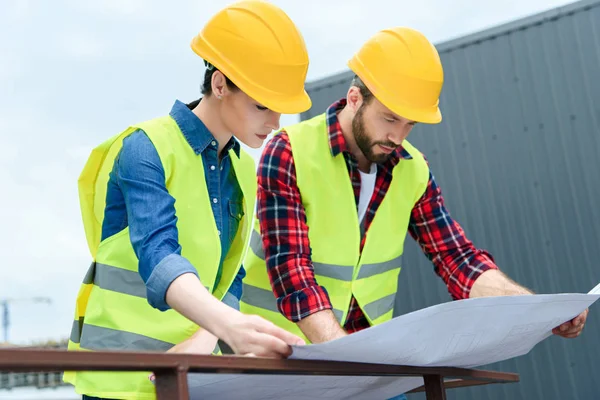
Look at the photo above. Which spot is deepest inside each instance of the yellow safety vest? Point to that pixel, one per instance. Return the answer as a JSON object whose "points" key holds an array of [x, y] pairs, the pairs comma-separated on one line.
{"points": [[112, 311], [335, 234]]}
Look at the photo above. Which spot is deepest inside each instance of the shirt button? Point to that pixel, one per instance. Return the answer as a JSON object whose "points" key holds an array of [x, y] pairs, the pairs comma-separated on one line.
{"points": [[221, 168], [215, 200], [213, 143], [219, 232], [212, 167]]}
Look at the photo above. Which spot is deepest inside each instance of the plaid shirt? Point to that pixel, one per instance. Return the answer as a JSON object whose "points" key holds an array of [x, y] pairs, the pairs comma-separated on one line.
{"points": [[285, 232]]}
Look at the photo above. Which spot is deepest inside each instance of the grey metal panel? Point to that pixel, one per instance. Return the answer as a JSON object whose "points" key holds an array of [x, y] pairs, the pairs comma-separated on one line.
{"points": [[323, 92], [518, 158]]}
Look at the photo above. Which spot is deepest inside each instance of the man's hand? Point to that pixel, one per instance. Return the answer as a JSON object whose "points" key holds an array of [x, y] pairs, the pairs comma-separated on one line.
{"points": [[573, 328], [495, 283], [251, 335]]}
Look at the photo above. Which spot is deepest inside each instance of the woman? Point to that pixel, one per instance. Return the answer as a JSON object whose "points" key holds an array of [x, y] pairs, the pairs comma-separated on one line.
{"points": [[167, 206]]}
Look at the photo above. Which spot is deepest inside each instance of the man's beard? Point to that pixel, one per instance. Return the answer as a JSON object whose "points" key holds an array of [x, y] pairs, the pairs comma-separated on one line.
{"points": [[364, 143]]}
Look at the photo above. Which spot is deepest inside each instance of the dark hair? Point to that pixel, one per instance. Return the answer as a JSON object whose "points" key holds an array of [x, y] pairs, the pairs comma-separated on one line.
{"points": [[207, 86], [364, 90]]}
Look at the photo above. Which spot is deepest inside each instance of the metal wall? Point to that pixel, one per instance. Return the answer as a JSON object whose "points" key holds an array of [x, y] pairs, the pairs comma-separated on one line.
{"points": [[518, 159]]}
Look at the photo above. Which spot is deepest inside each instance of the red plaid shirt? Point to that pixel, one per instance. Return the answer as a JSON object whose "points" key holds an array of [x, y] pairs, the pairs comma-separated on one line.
{"points": [[285, 232]]}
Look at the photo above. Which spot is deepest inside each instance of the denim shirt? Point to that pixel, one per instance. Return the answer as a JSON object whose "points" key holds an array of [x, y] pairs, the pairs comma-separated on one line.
{"points": [[137, 197]]}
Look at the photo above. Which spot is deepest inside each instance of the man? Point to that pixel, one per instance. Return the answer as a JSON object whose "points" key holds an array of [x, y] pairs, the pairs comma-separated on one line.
{"points": [[338, 193]]}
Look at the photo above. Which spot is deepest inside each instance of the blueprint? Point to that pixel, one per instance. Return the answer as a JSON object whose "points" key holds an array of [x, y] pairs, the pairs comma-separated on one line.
{"points": [[465, 333]]}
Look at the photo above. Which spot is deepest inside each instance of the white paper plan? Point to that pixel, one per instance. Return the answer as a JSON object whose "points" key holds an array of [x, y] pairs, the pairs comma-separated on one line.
{"points": [[465, 333]]}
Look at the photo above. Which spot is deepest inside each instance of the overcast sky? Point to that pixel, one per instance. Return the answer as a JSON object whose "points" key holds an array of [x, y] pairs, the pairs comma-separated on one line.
{"points": [[73, 73]]}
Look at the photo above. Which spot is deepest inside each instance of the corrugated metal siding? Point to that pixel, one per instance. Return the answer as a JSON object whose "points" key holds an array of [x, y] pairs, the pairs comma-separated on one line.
{"points": [[518, 159]]}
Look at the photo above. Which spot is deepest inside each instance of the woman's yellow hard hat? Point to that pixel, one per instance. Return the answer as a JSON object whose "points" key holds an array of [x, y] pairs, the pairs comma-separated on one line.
{"points": [[257, 46]]}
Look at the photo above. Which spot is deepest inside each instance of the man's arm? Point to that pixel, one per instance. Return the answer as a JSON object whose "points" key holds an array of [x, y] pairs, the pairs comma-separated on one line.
{"points": [[496, 283], [443, 241], [321, 326], [286, 244], [467, 271]]}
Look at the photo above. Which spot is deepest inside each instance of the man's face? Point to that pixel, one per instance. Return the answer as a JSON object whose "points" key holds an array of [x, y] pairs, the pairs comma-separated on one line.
{"points": [[378, 131]]}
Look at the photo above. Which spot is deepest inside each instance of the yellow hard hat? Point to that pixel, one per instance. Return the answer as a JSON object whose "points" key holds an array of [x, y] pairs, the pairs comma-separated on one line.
{"points": [[403, 71], [257, 46]]}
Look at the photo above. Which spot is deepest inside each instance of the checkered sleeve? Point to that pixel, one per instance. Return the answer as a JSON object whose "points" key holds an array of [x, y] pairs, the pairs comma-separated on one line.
{"points": [[285, 234], [456, 260]]}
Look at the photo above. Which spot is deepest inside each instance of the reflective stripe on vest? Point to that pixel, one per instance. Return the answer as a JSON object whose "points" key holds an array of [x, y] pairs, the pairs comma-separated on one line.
{"points": [[117, 279], [262, 298], [98, 338], [335, 232], [121, 281], [340, 272]]}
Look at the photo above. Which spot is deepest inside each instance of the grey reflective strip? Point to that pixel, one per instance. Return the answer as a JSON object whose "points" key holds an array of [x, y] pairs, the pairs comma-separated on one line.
{"points": [[368, 270], [262, 298], [340, 272], [119, 280], [256, 245], [76, 330], [89, 276], [258, 297], [328, 270], [379, 307], [97, 338]]}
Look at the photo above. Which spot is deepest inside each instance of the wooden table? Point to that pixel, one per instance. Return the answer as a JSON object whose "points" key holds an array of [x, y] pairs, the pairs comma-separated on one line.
{"points": [[171, 369]]}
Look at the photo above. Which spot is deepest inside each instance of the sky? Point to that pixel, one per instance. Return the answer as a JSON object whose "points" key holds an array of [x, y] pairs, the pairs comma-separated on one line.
{"points": [[73, 73]]}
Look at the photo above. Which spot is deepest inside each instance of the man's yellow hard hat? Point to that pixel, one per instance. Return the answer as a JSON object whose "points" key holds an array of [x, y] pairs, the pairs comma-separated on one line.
{"points": [[403, 71]]}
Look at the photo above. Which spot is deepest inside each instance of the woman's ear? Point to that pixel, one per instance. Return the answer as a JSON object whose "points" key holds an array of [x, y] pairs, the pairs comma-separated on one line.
{"points": [[219, 85]]}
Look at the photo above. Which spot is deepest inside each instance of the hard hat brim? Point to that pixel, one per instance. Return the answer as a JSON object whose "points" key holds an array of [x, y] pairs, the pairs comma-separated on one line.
{"points": [[288, 105]]}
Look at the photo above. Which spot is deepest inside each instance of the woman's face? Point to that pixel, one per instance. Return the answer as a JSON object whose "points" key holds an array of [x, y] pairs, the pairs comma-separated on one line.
{"points": [[249, 121]]}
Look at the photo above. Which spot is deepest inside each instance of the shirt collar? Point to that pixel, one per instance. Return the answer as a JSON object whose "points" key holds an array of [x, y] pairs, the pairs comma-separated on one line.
{"points": [[337, 142], [195, 132]]}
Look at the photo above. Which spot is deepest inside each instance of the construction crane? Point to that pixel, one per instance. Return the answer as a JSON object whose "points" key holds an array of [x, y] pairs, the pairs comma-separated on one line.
{"points": [[6, 310]]}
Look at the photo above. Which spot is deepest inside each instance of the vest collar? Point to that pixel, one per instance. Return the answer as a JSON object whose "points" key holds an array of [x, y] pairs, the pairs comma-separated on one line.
{"points": [[195, 132]]}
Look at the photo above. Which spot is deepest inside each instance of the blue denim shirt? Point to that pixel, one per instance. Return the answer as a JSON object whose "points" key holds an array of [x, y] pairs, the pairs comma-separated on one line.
{"points": [[137, 197]]}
